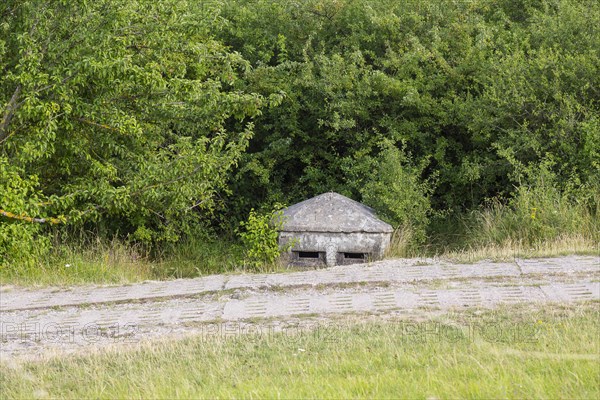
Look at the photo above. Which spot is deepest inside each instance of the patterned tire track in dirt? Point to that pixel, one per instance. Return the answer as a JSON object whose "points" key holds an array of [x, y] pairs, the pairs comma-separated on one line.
{"points": [[31, 320]]}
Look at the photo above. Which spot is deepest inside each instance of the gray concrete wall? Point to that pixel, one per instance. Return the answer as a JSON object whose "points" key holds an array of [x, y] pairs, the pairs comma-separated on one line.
{"points": [[374, 244]]}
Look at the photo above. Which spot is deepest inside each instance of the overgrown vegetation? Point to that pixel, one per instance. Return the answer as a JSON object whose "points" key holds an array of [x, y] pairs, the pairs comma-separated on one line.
{"points": [[467, 125], [259, 236], [511, 353]]}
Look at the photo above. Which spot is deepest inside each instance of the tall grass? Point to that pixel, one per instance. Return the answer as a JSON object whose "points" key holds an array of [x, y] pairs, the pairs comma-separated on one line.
{"points": [[402, 243], [88, 258], [539, 220], [534, 216], [510, 353], [91, 261], [199, 256]]}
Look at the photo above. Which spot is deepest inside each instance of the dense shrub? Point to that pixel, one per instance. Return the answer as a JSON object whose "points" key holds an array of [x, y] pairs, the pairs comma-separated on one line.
{"points": [[475, 90], [259, 234], [395, 190], [146, 120]]}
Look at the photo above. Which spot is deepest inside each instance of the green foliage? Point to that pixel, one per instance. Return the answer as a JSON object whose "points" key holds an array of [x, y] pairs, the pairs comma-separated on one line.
{"points": [[476, 90], [114, 114], [20, 242], [260, 237], [538, 212], [196, 256], [149, 120], [84, 257], [95, 260], [394, 189]]}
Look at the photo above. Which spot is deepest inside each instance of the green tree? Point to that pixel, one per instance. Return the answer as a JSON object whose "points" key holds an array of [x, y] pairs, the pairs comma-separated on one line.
{"points": [[479, 91], [115, 112]]}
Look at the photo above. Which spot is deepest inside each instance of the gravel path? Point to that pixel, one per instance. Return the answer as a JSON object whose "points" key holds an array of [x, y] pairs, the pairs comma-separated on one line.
{"points": [[33, 321]]}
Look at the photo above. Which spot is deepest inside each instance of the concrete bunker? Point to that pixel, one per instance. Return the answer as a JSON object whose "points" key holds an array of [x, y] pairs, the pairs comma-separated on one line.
{"points": [[331, 229]]}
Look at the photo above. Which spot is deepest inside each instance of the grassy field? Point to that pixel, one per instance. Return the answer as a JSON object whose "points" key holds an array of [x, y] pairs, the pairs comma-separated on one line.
{"points": [[114, 262], [508, 353]]}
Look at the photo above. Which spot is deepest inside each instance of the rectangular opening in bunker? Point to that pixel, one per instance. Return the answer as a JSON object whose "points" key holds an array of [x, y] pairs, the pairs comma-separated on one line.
{"points": [[355, 256], [308, 257], [308, 254]]}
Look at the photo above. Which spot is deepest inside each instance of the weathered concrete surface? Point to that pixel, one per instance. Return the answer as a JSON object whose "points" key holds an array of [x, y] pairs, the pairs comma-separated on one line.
{"points": [[332, 212], [35, 320], [333, 224], [386, 271], [334, 245]]}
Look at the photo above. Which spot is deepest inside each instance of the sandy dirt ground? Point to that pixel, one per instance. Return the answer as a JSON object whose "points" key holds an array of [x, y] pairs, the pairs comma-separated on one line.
{"points": [[49, 320]]}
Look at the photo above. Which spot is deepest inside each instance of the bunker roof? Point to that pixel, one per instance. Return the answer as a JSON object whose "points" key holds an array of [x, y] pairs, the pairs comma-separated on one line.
{"points": [[332, 212]]}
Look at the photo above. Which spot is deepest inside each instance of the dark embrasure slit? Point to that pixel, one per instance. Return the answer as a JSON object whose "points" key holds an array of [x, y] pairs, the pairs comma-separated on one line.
{"points": [[356, 256], [308, 254]]}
